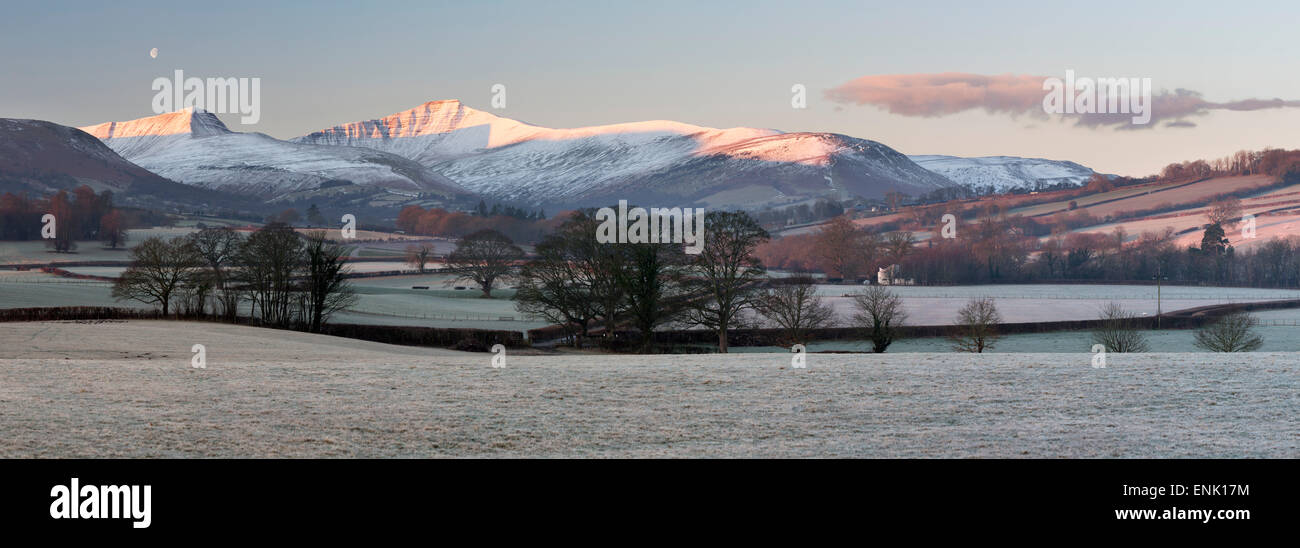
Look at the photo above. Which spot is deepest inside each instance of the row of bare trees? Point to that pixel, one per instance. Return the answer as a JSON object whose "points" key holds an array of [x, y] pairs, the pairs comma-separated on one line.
{"points": [[1120, 331], [797, 310], [1277, 162], [583, 284], [283, 278]]}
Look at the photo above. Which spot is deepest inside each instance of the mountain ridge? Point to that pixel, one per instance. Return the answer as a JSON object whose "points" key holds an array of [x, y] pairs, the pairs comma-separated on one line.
{"points": [[510, 160], [194, 147]]}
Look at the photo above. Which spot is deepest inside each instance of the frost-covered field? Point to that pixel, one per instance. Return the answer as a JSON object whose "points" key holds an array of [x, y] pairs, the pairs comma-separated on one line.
{"points": [[1277, 338], [127, 389], [35, 252], [938, 305], [435, 307], [55, 291]]}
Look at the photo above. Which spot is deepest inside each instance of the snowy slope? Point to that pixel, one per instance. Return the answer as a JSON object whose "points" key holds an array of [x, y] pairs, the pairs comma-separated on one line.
{"points": [[194, 147], [780, 169], [738, 167], [997, 174]]}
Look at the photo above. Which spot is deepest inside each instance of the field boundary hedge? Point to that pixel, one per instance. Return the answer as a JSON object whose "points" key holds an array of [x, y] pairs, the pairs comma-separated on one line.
{"points": [[1179, 319]]}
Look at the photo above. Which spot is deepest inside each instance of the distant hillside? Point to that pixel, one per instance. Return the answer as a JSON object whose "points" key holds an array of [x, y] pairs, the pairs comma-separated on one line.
{"points": [[43, 157], [39, 158], [1001, 174]]}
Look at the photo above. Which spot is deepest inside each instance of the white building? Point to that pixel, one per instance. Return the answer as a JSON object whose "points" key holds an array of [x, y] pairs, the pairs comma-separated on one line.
{"points": [[889, 276]]}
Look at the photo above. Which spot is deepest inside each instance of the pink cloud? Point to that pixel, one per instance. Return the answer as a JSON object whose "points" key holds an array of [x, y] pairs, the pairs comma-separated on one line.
{"points": [[943, 94], [933, 95]]}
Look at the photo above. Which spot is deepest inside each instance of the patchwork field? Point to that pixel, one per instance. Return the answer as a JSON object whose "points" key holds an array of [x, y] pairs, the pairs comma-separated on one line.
{"points": [[1090, 200], [1276, 212], [126, 389]]}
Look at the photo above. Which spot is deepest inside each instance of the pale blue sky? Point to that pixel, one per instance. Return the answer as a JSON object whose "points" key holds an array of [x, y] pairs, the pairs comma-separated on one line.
{"points": [[713, 63]]}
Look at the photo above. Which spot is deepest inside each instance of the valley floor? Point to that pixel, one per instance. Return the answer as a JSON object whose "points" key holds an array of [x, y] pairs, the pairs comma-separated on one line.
{"points": [[126, 389]]}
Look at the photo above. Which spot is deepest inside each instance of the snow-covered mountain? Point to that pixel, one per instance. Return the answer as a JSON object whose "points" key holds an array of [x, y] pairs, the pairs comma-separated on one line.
{"points": [[659, 160], [997, 174], [194, 147]]}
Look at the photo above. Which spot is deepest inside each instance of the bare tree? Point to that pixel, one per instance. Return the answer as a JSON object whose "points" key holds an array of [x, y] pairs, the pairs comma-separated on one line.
{"points": [[602, 263], [289, 216], [898, 245], [559, 284], [219, 247], [725, 273], [796, 309], [484, 257], [1119, 330], [269, 261], [880, 312], [112, 229], [65, 224], [325, 286], [976, 329], [1225, 212], [844, 249], [418, 255], [574, 282], [894, 198], [648, 277], [158, 269], [1232, 333], [192, 294]]}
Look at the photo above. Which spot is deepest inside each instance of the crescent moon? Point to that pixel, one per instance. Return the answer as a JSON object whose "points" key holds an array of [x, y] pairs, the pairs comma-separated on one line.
{"points": [[153, 53]]}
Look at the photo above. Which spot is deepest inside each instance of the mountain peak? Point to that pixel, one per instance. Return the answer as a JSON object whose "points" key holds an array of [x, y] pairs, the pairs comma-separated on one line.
{"points": [[193, 121], [430, 118], [444, 102]]}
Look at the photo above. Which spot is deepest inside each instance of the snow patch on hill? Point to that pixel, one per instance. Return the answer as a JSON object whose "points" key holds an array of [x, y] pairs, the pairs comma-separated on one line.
{"points": [[999, 174]]}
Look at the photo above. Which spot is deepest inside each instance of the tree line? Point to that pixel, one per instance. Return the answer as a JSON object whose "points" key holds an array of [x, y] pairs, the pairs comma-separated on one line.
{"points": [[995, 251], [282, 278], [482, 210], [414, 219], [1272, 161], [81, 215], [589, 288], [584, 285]]}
